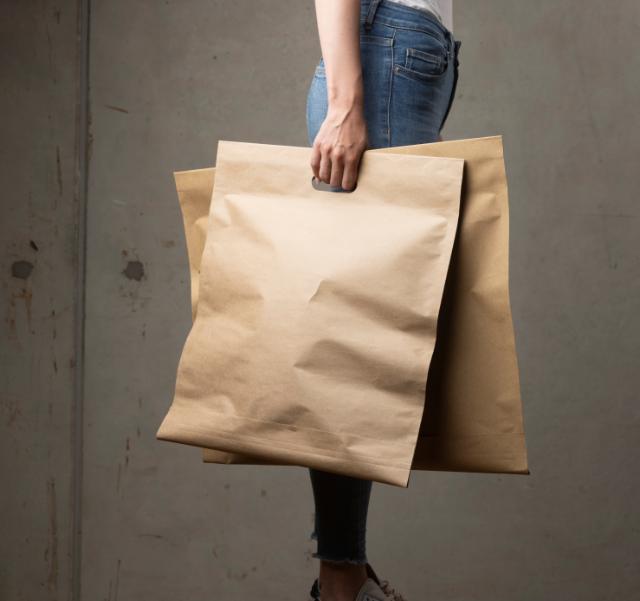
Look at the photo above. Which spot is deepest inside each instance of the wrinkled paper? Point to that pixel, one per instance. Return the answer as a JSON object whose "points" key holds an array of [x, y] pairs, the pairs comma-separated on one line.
{"points": [[316, 311], [471, 423]]}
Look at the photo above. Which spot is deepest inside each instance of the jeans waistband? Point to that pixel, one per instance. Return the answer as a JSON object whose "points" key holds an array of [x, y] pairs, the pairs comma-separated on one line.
{"points": [[400, 15], [423, 9]]}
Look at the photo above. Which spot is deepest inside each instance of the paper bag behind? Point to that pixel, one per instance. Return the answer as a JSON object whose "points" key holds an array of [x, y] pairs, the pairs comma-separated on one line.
{"points": [[194, 191], [317, 311], [473, 416]]}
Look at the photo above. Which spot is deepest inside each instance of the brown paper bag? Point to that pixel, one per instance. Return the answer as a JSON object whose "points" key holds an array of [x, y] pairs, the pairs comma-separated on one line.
{"points": [[473, 416], [317, 311], [194, 192]]}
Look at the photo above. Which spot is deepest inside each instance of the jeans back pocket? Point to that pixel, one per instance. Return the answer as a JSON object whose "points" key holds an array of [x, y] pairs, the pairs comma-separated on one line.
{"points": [[425, 63], [422, 56]]}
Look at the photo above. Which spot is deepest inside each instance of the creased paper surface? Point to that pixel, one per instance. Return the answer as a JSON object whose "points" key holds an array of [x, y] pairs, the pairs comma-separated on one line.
{"points": [[472, 423], [316, 311]]}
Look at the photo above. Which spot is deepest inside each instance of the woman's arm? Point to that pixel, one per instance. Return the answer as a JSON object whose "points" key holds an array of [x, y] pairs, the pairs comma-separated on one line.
{"points": [[342, 137]]}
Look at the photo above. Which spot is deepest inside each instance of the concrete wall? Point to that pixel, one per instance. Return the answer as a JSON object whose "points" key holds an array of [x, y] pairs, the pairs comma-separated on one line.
{"points": [[559, 79], [39, 298]]}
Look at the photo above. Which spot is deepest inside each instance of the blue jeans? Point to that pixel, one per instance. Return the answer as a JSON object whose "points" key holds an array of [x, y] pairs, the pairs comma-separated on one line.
{"points": [[410, 71]]}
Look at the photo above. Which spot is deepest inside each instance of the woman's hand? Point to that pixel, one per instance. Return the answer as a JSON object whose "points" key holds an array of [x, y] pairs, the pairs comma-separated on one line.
{"points": [[338, 146], [342, 137]]}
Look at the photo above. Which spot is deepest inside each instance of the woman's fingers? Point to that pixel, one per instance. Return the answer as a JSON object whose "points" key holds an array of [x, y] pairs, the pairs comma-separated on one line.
{"points": [[315, 161], [337, 167], [324, 172], [321, 162], [350, 173]]}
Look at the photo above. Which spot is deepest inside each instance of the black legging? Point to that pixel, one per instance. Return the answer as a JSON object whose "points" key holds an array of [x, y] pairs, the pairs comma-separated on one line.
{"points": [[340, 525]]}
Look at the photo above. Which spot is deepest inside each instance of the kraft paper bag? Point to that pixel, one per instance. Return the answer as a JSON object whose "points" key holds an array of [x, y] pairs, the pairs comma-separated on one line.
{"points": [[194, 192], [317, 311], [473, 416]]}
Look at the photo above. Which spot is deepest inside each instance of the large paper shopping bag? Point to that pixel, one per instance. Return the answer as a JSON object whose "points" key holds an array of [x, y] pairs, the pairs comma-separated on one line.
{"points": [[317, 311], [473, 416], [194, 191]]}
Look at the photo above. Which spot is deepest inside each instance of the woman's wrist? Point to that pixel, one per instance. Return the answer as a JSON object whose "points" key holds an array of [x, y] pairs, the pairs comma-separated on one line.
{"points": [[346, 96], [347, 102]]}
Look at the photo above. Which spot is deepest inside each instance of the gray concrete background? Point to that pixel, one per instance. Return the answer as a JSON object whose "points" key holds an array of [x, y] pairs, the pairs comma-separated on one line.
{"points": [[94, 507]]}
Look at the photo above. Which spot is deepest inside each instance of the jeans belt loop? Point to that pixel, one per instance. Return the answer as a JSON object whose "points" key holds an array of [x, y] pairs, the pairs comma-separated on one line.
{"points": [[371, 13], [451, 49]]}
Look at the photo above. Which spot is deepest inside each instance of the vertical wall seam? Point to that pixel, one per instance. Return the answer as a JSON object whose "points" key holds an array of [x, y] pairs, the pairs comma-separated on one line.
{"points": [[81, 194]]}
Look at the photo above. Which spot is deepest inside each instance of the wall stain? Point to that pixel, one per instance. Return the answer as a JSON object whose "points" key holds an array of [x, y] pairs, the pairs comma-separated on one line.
{"points": [[10, 319], [21, 269], [119, 109], [90, 137], [27, 297], [51, 551], [54, 335], [33, 245], [12, 409], [134, 270], [115, 598], [239, 576], [50, 54], [59, 171], [158, 537], [90, 140]]}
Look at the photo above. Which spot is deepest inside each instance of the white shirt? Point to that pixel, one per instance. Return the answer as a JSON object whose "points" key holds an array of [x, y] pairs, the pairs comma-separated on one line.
{"points": [[442, 9]]}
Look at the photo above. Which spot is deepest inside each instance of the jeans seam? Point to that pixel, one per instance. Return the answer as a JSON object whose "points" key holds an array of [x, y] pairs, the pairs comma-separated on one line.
{"points": [[390, 80], [390, 23], [454, 65]]}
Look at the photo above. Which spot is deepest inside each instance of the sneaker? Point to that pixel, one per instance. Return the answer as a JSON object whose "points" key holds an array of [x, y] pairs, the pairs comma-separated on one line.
{"points": [[373, 589], [385, 587]]}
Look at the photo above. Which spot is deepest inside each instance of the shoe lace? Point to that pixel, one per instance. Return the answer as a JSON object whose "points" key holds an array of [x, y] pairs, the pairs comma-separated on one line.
{"points": [[388, 590]]}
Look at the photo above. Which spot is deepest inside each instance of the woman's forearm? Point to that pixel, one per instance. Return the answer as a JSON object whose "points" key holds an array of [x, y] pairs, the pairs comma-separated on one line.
{"points": [[342, 137], [338, 28]]}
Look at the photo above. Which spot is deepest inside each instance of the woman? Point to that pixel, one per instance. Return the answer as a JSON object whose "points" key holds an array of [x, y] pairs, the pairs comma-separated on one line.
{"points": [[387, 77]]}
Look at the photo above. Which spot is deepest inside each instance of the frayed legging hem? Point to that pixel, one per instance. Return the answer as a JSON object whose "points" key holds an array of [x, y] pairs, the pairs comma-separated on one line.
{"points": [[352, 560]]}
